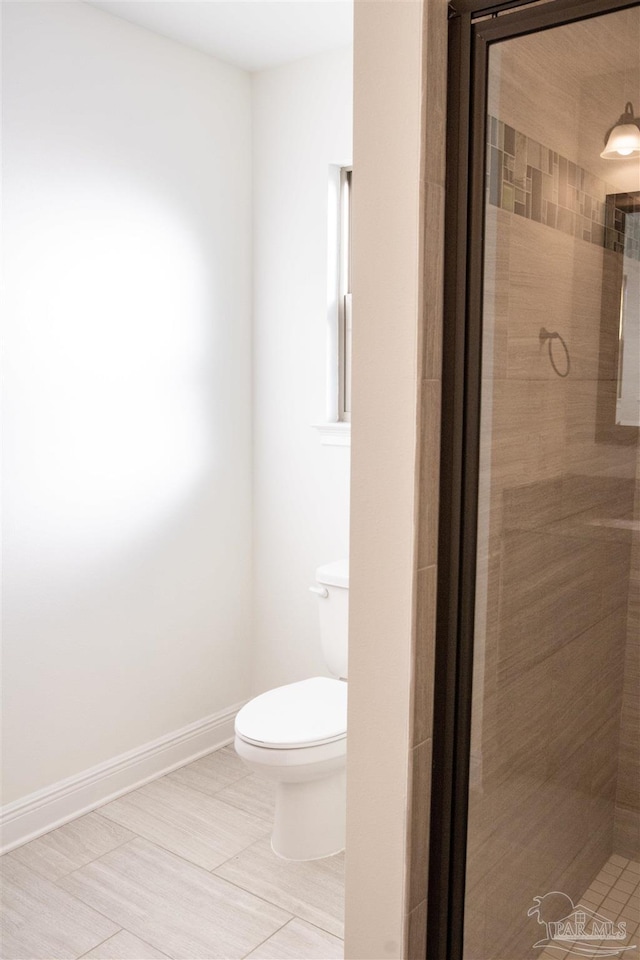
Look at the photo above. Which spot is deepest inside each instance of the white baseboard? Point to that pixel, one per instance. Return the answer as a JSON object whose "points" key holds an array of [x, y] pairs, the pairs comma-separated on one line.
{"points": [[40, 812]]}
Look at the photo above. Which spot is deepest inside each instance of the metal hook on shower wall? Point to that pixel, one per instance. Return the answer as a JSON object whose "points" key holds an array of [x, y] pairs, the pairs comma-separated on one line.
{"points": [[549, 338]]}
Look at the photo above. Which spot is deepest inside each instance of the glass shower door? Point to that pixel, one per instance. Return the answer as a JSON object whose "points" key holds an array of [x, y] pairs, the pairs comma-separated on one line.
{"points": [[553, 834]]}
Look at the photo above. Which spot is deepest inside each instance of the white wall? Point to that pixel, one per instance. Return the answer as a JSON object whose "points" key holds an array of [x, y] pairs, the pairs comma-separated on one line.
{"points": [[301, 125], [387, 313], [127, 185]]}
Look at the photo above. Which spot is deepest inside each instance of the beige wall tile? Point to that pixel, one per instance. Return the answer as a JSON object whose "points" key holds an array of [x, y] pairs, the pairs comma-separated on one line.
{"points": [[424, 654], [538, 251], [627, 834], [593, 336], [417, 932], [528, 358], [528, 443], [627, 811], [418, 853], [496, 294], [585, 453], [435, 27], [526, 73], [433, 281], [429, 473], [553, 589], [434, 75]]}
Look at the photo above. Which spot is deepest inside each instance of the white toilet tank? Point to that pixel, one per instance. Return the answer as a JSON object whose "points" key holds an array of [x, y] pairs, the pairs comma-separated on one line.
{"points": [[334, 615]]}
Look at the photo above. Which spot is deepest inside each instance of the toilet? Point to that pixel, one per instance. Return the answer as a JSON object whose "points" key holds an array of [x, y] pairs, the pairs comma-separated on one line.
{"points": [[296, 735]]}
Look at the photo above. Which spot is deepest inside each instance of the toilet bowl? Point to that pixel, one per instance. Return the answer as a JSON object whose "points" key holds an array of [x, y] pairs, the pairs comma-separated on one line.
{"points": [[296, 736]]}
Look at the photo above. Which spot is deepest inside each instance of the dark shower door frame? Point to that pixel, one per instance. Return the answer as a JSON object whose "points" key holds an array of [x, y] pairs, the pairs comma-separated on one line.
{"points": [[474, 25]]}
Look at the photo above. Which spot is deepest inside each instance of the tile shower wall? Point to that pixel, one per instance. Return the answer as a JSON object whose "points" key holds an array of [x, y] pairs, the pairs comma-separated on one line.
{"points": [[555, 536], [627, 815], [430, 367], [550, 648]]}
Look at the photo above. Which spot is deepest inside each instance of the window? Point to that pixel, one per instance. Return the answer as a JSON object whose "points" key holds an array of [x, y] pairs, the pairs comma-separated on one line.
{"points": [[344, 298], [335, 429]]}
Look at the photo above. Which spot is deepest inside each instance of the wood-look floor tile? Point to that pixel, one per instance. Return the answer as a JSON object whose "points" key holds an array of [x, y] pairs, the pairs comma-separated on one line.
{"points": [[211, 773], [187, 822], [253, 794], [312, 889], [71, 846], [42, 922], [181, 909], [299, 939], [124, 946]]}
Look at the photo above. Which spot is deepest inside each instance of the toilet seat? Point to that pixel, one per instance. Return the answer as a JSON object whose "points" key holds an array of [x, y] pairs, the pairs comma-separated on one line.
{"points": [[303, 714]]}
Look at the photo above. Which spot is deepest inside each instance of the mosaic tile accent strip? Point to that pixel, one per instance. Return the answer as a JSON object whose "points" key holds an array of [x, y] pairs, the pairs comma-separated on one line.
{"points": [[526, 178]]}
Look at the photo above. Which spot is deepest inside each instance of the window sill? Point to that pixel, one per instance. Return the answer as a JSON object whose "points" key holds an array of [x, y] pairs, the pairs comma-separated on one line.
{"points": [[337, 434]]}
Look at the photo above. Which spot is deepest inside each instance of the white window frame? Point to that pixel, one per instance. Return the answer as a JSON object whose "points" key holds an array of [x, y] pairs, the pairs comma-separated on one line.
{"points": [[336, 428], [344, 298]]}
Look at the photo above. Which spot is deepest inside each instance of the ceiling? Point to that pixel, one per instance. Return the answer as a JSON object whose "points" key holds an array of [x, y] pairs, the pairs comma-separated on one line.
{"points": [[251, 34]]}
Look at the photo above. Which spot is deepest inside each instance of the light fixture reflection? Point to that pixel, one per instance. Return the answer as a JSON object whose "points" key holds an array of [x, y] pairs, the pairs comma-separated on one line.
{"points": [[622, 140]]}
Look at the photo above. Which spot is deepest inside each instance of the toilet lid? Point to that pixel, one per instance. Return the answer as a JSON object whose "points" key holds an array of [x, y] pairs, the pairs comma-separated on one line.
{"points": [[300, 714]]}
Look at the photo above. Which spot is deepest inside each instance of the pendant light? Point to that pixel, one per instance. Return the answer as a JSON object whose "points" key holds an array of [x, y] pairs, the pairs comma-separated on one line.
{"points": [[622, 140]]}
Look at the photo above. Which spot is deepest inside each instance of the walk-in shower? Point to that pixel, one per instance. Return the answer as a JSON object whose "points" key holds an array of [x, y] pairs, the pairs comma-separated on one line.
{"points": [[536, 813]]}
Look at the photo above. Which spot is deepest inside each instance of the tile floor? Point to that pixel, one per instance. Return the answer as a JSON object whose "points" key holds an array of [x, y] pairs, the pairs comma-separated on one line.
{"points": [[181, 868], [615, 895]]}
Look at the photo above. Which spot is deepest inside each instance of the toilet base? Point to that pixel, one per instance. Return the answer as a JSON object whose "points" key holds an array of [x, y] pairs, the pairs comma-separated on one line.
{"points": [[310, 818]]}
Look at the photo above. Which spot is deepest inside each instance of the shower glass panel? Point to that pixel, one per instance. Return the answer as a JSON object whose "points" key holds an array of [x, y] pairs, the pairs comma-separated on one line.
{"points": [[555, 746]]}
